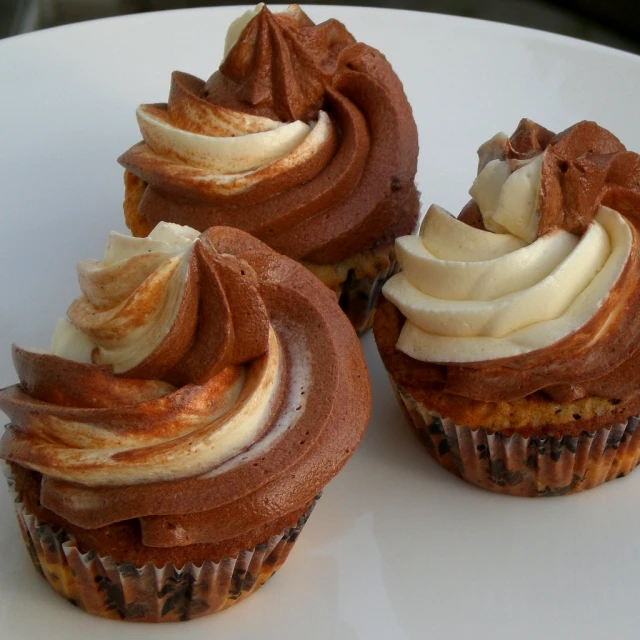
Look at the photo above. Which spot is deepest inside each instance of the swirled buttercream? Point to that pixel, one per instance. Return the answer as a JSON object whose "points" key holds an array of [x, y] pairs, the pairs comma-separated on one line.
{"points": [[541, 270], [201, 377], [303, 138]]}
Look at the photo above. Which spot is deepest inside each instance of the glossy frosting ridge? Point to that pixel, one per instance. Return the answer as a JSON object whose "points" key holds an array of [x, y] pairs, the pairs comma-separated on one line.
{"points": [[547, 302], [303, 138], [257, 400]]}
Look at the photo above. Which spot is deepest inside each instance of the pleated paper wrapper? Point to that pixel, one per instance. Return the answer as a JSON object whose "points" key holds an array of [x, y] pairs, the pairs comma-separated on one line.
{"points": [[525, 466], [358, 298], [110, 589]]}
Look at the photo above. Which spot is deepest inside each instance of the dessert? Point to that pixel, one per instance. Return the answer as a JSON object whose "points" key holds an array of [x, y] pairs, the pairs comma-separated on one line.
{"points": [[167, 451], [510, 335], [303, 138]]}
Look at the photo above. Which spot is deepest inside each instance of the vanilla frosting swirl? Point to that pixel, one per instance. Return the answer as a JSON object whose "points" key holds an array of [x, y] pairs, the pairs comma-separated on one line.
{"points": [[303, 138], [508, 289], [523, 300], [198, 375]]}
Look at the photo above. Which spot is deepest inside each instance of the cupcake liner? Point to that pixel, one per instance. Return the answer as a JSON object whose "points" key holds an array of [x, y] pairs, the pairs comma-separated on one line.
{"points": [[358, 298], [526, 466], [110, 589]]}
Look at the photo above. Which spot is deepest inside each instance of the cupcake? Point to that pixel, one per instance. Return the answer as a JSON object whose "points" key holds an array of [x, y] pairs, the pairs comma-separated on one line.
{"points": [[167, 451], [510, 334], [303, 138]]}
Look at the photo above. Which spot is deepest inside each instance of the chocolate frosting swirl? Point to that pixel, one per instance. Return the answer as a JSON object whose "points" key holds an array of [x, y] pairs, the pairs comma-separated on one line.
{"points": [[583, 169], [253, 399], [280, 67], [345, 185]]}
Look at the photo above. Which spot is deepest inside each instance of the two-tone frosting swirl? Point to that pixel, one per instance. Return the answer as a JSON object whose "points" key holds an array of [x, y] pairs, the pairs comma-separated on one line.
{"points": [[533, 287], [303, 138], [199, 377]]}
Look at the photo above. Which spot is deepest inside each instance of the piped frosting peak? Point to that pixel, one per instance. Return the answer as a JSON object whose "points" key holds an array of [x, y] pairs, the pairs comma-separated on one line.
{"points": [[168, 306], [280, 65]]}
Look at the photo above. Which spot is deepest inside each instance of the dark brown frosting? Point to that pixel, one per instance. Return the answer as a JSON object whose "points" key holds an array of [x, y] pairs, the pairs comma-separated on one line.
{"points": [[281, 67], [249, 286], [356, 192], [584, 167]]}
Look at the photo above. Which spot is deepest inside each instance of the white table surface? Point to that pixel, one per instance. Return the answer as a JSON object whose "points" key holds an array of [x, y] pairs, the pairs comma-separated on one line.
{"points": [[397, 547]]}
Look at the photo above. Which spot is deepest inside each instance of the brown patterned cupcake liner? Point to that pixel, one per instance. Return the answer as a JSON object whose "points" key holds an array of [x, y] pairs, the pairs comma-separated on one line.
{"points": [[358, 297], [122, 591], [525, 466]]}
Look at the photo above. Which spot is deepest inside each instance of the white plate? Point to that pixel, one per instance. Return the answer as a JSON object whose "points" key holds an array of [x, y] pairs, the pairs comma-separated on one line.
{"points": [[397, 547]]}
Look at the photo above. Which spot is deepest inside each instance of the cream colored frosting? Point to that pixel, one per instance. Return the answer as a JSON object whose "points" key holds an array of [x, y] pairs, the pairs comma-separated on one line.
{"points": [[471, 295], [508, 199], [69, 342], [244, 151], [104, 324], [239, 152]]}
